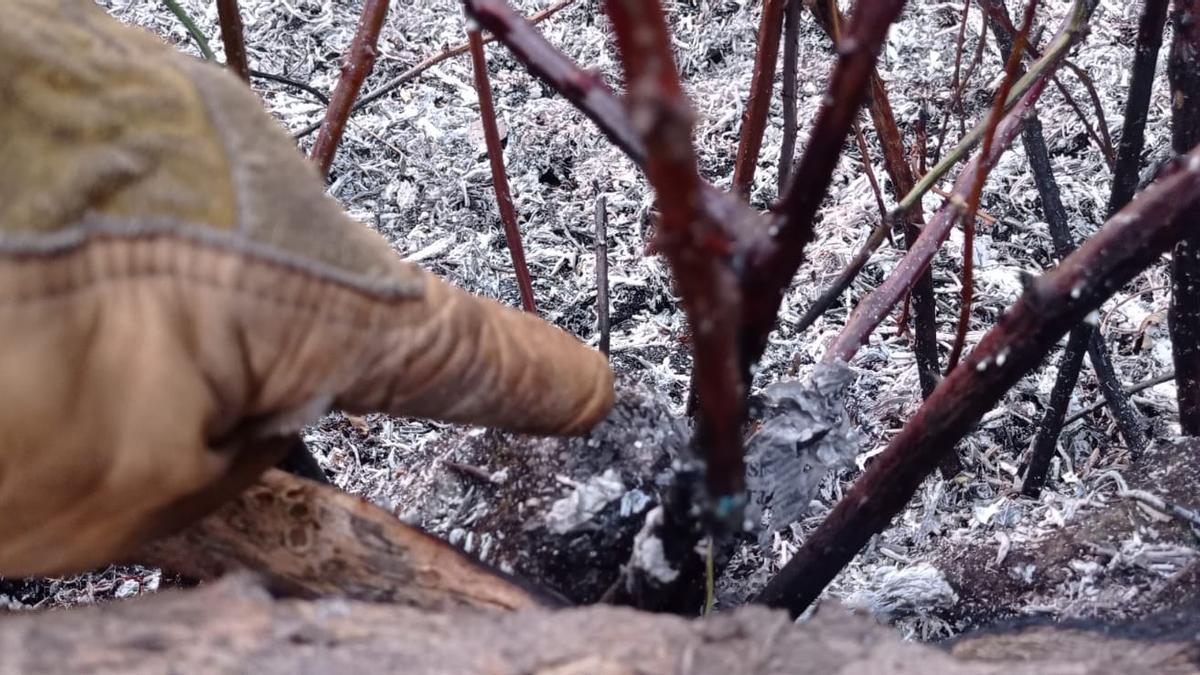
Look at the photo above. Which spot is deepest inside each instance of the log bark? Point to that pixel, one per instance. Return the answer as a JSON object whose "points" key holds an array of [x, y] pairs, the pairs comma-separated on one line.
{"points": [[314, 540], [235, 626]]}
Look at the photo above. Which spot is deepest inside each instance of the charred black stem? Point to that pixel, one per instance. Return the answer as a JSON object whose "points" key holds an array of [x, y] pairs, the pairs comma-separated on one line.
{"points": [[1133, 131], [602, 319], [287, 81], [1052, 420], [791, 54], [1051, 305], [300, 461], [1127, 418], [1183, 70], [924, 306]]}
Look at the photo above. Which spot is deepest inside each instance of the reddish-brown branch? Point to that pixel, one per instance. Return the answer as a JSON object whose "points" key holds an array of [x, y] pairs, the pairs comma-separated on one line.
{"points": [[360, 59], [504, 200], [956, 82], [696, 248], [1102, 140], [1011, 73], [1183, 70], [869, 169], [230, 19], [410, 74], [770, 263], [586, 90], [1051, 305], [895, 162], [762, 83], [872, 309]]}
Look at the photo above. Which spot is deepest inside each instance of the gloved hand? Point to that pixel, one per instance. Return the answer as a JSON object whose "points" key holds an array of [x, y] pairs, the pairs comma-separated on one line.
{"points": [[178, 297]]}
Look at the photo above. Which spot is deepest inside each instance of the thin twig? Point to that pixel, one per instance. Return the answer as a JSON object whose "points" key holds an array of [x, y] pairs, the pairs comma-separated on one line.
{"points": [[1089, 86], [431, 61], [1186, 514], [855, 265], [1132, 389], [872, 309], [844, 278], [968, 216], [602, 319], [504, 200], [1103, 140], [980, 214], [1048, 61], [1112, 312], [956, 83], [869, 169], [969, 71], [754, 122], [359, 60], [302, 86], [230, 19], [1049, 307]]}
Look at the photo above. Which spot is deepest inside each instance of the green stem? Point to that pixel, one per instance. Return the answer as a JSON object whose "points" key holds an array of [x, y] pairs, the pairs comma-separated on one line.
{"points": [[192, 29], [1050, 57]]}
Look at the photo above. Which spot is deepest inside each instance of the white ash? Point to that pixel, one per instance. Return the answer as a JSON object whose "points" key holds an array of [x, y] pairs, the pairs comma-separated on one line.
{"points": [[913, 591], [585, 501], [649, 556], [410, 166]]}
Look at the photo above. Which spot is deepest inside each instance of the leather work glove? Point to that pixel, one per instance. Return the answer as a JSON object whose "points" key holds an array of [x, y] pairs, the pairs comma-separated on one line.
{"points": [[178, 297]]}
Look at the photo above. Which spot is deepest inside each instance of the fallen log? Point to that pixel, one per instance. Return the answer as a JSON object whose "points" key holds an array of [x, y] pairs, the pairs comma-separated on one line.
{"points": [[236, 626], [314, 540]]}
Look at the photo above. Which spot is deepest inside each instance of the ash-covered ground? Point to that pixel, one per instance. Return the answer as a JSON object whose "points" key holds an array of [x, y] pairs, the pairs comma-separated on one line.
{"points": [[413, 165]]}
